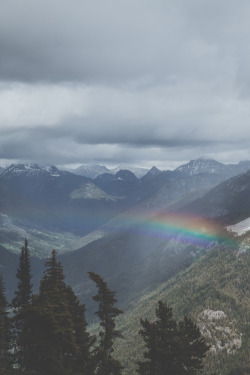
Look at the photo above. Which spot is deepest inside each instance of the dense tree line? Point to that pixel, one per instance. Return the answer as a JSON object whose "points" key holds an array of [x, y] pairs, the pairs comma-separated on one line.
{"points": [[46, 333]]}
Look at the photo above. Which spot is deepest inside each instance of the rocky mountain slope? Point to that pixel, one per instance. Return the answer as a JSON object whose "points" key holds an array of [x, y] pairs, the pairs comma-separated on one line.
{"points": [[228, 201], [214, 292]]}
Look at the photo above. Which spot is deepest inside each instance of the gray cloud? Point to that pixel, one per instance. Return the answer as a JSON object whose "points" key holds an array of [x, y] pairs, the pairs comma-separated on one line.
{"points": [[113, 41], [135, 81]]}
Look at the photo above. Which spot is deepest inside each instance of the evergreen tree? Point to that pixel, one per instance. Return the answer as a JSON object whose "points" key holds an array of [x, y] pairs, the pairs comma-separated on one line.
{"points": [[193, 347], [21, 303], [54, 346], [161, 340], [23, 294], [149, 334], [107, 313], [5, 333], [83, 361], [173, 349]]}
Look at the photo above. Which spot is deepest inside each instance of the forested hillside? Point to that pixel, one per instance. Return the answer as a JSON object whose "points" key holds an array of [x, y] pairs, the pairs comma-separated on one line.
{"points": [[214, 291], [46, 333]]}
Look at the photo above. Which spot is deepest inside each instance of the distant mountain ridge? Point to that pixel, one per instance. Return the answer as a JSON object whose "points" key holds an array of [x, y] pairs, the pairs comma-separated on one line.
{"points": [[30, 170], [91, 171], [193, 167], [200, 166], [94, 170]]}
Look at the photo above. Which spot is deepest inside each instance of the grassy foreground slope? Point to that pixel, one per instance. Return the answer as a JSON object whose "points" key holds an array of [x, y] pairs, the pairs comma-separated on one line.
{"points": [[214, 291]]}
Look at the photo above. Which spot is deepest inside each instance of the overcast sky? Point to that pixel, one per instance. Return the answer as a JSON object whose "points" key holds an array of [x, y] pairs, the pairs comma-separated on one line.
{"points": [[140, 82]]}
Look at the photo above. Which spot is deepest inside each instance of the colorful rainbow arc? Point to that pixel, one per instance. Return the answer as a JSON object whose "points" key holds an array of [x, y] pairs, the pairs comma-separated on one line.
{"points": [[184, 227]]}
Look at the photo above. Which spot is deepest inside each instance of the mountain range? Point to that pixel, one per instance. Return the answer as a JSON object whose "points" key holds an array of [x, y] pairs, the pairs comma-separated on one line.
{"points": [[146, 236], [62, 210]]}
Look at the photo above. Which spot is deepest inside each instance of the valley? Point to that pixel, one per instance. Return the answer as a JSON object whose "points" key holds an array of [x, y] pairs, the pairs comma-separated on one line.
{"points": [[159, 236]]}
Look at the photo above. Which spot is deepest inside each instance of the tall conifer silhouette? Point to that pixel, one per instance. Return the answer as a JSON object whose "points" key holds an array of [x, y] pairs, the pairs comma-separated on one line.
{"points": [[5, 333], [21, 303], [107, 313]]}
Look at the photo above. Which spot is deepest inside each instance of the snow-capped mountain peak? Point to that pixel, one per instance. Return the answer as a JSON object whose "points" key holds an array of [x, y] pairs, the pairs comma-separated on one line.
{"points": [[19, 169], [200, 166], [29, 170]]}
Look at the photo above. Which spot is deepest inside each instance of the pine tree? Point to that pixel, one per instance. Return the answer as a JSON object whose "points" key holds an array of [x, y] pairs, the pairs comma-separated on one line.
{"points": [[107, 313], [23, 295], [5, 333], [83, 361], [167, 334], [149, 334], [21, 303], [161, 340], [193, 347], [54, 346], [171, 348]]}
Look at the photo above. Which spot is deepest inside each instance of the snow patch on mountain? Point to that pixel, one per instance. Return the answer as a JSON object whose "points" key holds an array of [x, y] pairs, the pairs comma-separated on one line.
{"points": [[240, 228]]}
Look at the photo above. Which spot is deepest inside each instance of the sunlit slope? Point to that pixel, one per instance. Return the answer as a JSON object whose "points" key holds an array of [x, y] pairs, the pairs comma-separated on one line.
{"points": [[219, 281]]}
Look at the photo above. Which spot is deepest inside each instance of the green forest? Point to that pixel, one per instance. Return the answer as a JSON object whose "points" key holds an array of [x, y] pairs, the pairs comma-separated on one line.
{"points": [[47, 333]]}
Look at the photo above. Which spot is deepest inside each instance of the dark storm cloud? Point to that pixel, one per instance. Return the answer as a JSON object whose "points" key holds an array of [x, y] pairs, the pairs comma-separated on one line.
{"points": [[56, 145], [113, 41], [115, 80], [56, 150], [88, 41]]}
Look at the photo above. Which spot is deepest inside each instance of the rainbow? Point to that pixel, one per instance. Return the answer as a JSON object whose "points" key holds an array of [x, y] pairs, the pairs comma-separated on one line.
{"points": [[182, 227]]}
